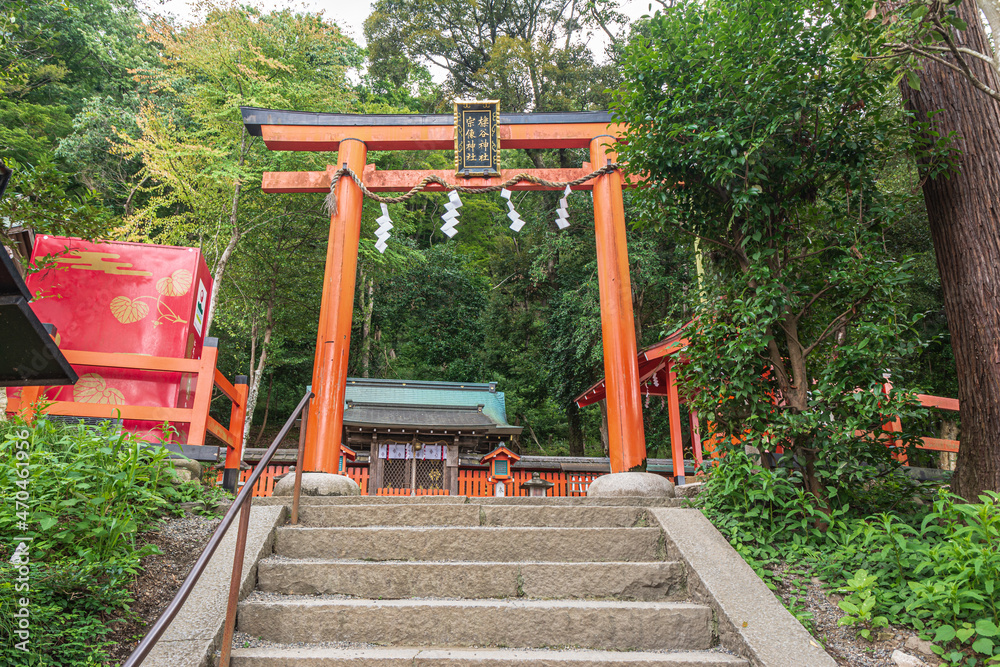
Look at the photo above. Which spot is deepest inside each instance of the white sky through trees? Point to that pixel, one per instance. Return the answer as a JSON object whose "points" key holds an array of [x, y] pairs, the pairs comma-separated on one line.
{"points": [[351, 14]]}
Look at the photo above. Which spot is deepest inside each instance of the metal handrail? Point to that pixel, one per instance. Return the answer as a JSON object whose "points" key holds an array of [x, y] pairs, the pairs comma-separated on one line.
{"points": [[242, 505]]}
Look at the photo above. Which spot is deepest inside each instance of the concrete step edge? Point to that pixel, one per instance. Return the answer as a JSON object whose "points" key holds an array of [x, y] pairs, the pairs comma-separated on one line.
{"points": [[263, 656], [519, 603], [291, 562]]}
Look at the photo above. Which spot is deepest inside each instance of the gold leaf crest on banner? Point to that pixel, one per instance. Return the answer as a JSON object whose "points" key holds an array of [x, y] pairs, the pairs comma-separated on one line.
{"points": [[176, 284], [91, 388], [128, 311]]}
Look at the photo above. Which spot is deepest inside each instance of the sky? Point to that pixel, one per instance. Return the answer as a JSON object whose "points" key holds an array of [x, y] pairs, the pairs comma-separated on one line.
{"points": [[350, 14]]}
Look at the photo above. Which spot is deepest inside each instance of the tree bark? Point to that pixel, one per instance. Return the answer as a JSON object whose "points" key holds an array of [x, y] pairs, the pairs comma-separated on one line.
{"points": [[258, 373], [367, 306], [963, 209], [575, 431], [604, 425], [220, 271]]}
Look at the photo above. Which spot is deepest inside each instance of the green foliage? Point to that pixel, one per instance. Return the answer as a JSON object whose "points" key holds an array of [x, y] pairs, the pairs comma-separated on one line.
{"points": [[529, 55], [859, 603], [898, 558], [91, 491], [764, 139]]}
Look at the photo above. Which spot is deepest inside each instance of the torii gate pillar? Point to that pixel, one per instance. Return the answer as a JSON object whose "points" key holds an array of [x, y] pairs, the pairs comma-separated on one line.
{"points": [[626, 438], [333, 343]]}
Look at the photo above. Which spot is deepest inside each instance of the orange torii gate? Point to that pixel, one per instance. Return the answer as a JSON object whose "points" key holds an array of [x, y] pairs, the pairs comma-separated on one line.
{"points": [[353, 136]]}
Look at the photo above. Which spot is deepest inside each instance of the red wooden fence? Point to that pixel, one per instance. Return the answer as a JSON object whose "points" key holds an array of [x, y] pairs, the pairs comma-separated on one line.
{"points": [[471, 482]]}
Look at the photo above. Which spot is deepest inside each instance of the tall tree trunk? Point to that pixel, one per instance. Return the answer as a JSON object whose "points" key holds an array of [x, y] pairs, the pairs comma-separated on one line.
{"points": [[604, 425], [575, 430], [234, 238], [267, 409], [963, 209], [220, 271], [367, 306], [258, 373]]}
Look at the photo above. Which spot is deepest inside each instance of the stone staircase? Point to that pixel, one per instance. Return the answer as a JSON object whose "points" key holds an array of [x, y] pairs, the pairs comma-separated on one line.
{"points": [[474, 582]]}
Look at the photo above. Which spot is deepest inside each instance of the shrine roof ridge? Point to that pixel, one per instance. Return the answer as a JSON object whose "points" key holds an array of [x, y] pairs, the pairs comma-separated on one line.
{"points": [[255, 117], [421, 384]]}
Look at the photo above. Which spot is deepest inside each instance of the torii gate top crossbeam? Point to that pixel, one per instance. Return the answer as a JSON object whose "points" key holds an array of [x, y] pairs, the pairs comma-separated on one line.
{"points": [[307, 131]]}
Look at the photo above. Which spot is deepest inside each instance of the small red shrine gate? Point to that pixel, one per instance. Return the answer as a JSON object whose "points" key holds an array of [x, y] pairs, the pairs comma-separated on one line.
{"points": [[353, 136]]}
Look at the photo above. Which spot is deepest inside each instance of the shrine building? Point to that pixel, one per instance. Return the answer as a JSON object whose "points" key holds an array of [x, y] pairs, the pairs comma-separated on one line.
{"points": [[415, 432]]}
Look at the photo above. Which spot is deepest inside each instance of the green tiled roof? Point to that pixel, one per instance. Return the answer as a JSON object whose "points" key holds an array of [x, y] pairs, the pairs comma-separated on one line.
{"points": [[424, 393]]}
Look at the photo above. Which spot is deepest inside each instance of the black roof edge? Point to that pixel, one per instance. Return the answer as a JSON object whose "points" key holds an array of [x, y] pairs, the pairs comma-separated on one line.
{"points": [[254, 117]]}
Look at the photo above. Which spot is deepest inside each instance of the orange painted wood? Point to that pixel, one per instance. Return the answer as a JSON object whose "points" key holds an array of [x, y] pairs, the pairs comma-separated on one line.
{"points": [[626, 439], [237, 421], [203, 395], [429, 137], [223, 434], [138, 361], [939, 445], [360, 475], [674, 415], [333, 341], [226, 387], [475, 483], [411, 492], [894, 426], [404, 180], [938, 402], [28, 402]]}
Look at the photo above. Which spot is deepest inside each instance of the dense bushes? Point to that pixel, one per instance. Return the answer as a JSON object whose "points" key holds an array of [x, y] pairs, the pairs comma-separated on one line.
{"points": [[899, 552], [90, 491]]}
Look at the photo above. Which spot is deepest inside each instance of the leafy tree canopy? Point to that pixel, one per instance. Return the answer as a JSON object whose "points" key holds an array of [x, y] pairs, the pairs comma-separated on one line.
{"points": [[764, 140]]}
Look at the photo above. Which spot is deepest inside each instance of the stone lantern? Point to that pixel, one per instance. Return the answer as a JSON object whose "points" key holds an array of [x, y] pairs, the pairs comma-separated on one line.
{"points": [[536, 486]]}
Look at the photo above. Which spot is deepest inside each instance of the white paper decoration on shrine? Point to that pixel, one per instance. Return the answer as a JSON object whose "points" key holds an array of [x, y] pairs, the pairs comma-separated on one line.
{"points": [[451, 214], [516, 221], [382, 233], [562, 213]]}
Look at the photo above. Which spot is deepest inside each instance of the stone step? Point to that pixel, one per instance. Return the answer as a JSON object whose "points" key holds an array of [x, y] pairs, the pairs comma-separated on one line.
{"points": [[417, 657], [475, 544], [395, 580], [472, 515], [611, 625], [390, 515], [592, 516]]}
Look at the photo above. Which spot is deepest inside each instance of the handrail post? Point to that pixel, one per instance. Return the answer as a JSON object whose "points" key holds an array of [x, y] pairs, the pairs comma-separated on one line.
{"points": [[298, 461], [234, 585], [237, 419]]}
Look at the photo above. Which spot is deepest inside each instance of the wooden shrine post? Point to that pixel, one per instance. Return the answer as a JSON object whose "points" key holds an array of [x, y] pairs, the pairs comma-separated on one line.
{"points": [[333, 342], [626, 438]]}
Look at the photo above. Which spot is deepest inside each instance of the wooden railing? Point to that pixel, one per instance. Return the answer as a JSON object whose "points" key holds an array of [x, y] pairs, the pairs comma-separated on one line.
{"points": [[264, 486], [206, 377], [475, 483], [933, 444]]}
